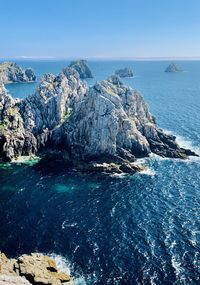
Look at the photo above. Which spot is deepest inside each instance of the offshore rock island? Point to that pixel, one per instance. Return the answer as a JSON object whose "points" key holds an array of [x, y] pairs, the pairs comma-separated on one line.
{"points": [[100, 128], [11, 72]]}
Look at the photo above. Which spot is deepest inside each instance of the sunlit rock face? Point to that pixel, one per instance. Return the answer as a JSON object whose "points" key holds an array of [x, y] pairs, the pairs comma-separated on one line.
{"points": [[106, 122]]}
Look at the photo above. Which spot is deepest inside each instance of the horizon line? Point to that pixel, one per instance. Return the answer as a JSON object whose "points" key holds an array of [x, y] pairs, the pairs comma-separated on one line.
{"points": [[153, 58]]}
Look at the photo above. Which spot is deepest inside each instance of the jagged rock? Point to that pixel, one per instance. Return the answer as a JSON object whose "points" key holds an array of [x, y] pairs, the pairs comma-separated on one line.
{"points": [[173, 67], [11, 72], [15, 140], [107, 123], [82, 68], [124, 72], [31, 269]]}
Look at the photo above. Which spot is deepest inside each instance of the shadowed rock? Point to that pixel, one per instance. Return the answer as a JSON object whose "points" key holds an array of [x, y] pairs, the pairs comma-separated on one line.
{"points": [[124, 72], [173, 67], [81, 66]]}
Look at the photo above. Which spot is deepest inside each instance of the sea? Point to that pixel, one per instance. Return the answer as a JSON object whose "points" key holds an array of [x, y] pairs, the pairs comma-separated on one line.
{"points": [[141, 229]]}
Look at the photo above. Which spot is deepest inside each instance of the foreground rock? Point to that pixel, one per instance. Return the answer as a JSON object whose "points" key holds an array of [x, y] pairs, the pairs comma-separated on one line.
{"points": [[81, 66], [31, 269], [11, 72], [173, 67], [125, 72], [102, 128]]}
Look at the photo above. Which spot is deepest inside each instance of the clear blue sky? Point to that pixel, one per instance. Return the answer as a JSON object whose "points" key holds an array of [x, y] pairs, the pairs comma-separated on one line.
{"points": [[100, 28]]}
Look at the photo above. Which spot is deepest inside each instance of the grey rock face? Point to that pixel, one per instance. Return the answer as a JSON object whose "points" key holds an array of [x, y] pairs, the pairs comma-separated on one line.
{"points": [[82, 68], [11, 72], [107, 123], [124, 72], [173, 67]]}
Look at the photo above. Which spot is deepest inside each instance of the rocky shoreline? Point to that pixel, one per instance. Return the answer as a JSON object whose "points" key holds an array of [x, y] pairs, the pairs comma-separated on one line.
{"points": [[35, 269], [100, 128]]}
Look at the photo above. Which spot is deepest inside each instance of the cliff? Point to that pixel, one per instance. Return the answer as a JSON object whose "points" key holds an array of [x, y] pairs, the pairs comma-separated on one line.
{"points": [[11, 72], [31, 269], [105, 127]]}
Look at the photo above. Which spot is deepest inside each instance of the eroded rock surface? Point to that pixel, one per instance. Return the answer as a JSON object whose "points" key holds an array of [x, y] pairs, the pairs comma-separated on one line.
{"points": [[11, 72], [104, 127], [31, 269]]}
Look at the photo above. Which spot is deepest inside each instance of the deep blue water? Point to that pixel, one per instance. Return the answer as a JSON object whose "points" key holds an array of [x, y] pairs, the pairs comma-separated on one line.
{"points": [[141, 229]]}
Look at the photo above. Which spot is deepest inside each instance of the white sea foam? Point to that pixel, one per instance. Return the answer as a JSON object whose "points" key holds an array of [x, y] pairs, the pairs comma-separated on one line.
{"points": [[62, 263], [148, 171], [184, 142]]}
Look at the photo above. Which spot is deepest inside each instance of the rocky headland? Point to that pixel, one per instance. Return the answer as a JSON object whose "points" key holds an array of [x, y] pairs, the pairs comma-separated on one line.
{"points": [[81, 66], [173, 67], [31, 269], [124, 72], [100, 128], [11, 72]]}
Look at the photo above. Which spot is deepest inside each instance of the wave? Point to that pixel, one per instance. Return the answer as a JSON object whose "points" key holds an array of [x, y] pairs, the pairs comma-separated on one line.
{"points": [[65, 265]]}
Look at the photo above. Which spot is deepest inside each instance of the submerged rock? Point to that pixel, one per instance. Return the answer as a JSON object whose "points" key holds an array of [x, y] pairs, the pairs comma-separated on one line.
{"points": [[104, 128], [124, 72], [173, 67], [31, 269], [11, 72], [82, 68]]}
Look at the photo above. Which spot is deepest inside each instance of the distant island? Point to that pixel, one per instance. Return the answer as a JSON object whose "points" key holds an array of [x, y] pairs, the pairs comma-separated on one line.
{"points": [[11, 72], [173, 67], [81, 66], [101, 128], [124, 72]]}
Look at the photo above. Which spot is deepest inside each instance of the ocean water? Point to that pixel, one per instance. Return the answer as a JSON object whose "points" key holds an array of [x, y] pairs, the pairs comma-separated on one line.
{"points": [[140, 229]]}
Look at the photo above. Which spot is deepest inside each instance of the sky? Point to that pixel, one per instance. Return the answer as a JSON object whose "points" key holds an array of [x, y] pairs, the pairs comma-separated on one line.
{"points": [[99, 28]]}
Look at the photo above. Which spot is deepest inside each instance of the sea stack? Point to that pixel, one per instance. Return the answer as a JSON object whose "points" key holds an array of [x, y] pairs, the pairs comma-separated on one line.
{"points": [[100, 128], [11, 72], [81, 66], [124, 72], [173, 67]]}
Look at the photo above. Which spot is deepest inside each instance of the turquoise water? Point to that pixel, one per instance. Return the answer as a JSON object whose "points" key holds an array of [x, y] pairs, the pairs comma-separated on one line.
{"points": [[141, 229]]}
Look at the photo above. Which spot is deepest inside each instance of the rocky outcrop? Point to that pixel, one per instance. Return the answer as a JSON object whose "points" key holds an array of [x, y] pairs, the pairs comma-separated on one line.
{"points": [[102, 128], [11, 72], [124, 72], [31, 269], [173, 67], [15, 140], [81, 66]]}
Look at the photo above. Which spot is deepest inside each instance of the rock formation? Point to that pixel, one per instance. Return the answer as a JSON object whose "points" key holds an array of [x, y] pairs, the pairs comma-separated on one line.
{"points": [[31, 269], [173, 67], [11, 72], [124, 72], [82, 68], [102, 128]]}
